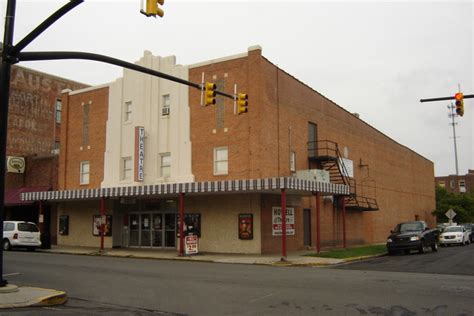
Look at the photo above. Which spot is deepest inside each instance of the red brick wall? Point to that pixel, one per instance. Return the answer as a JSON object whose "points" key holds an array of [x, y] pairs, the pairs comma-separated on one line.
{"points": [[260, 141], [32, 129], [73, 150]]}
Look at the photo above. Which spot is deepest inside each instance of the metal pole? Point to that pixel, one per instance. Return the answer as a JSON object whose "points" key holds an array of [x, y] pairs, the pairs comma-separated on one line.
{"points": [[102, 223], [181, 224], [5, 73], [318, 223], [454, 137], [283, 224]]}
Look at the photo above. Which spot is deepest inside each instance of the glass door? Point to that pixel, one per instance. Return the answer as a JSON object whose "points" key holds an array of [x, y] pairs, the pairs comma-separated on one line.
{"points": [[145, 231], [157, 232], [170, 230], [134, 230]]}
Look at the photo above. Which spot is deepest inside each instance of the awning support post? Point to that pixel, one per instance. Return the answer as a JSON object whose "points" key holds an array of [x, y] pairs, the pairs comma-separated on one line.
{"points": [[283, 225], [318, 222], [343, 206], [102, 223], [181, 224]]}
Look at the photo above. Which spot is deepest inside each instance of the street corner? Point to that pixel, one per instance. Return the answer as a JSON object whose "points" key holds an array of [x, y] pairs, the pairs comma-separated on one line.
{"points": [[31, 296]]}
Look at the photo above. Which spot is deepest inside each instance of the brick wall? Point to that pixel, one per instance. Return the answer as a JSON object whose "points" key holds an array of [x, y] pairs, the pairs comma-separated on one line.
{"points": [[280, 108], [74, 147]]}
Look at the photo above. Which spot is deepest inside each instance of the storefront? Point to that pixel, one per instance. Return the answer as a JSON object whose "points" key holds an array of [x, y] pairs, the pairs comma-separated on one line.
{"points": [[234, 216]]}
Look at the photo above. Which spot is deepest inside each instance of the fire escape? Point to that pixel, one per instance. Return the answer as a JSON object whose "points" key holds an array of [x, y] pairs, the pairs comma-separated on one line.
{"points": [[325, 154]]}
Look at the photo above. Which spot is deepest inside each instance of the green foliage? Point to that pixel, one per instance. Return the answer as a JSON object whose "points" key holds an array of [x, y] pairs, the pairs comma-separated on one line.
{"points": [[462, 204], [356, 252]]}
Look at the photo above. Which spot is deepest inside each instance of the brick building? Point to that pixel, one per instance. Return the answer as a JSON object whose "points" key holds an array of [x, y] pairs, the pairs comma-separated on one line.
{"points": [[457, 184], [34, 125], [343, 182]]}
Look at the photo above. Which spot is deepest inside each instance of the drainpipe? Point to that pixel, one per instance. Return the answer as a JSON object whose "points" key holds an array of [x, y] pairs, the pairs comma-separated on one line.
{"points": [[283, 225], [181, 224]]}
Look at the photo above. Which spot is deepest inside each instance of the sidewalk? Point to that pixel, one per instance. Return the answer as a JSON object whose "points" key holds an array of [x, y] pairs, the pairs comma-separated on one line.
{"points": [[14, 297]]}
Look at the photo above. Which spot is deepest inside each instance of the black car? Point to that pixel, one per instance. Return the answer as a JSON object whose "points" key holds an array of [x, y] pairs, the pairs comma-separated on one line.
{"points": [[470, 227], [415, 235]]}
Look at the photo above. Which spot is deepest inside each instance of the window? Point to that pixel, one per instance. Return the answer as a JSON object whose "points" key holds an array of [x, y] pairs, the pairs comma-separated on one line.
{"points": [[451, 184], [462, 186], [59, 107], [165, 164], [8, 227], [127, 112], [292, 161], [84, 174], [85, 124], [221, 163], [126, 168], [442, 184], [165, 111]]}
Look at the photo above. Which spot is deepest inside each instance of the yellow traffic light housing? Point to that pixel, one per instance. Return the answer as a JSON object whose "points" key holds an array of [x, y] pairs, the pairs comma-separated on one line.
{"points": [[459, 103], [209, 93], [152, 9], [242, 103]]}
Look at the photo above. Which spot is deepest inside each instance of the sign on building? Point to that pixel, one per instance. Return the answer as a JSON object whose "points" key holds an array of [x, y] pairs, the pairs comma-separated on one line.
{"points": [[277, 221], [347, 167], [191, 244], [15, 164], [139, 153]]}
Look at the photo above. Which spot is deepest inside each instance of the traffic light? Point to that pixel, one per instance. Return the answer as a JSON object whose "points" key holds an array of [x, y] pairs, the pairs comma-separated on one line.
{"points": [[209, 93], [459, 103], [242, 103], [152, 8]]}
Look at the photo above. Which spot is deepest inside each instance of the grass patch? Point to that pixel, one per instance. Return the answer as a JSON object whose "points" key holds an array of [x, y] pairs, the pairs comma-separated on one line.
{"points": [[355, 252]]}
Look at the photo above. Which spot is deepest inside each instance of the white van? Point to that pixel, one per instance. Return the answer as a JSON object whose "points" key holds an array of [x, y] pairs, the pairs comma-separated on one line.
{"points": [[21, 234]]}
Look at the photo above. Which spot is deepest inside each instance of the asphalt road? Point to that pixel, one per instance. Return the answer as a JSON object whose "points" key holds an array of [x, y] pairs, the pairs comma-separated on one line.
{"points": [[458, 260], [126, 286]]}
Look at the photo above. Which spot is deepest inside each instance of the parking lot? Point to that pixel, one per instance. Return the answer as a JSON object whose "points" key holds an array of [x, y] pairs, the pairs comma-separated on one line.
{"points": [[458, 260]]}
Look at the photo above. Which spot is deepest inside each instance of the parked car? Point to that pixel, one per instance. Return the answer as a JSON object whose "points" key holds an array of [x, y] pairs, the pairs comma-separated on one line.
{"points": [[455, 235], [18, 234], [470, 228], [415, 235]]}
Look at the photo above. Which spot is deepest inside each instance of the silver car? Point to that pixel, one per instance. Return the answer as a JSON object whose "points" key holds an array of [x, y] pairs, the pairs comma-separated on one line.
{"points": [[454, 235], [21, 234]]}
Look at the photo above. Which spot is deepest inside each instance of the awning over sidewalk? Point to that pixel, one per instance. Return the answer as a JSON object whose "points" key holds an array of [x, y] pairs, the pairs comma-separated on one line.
{"points": [[13, 196], [267, 185]]}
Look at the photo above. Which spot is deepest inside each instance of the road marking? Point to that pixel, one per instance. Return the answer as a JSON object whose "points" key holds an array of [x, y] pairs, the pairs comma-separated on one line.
{"points": [[10, 274], [262, 297]]}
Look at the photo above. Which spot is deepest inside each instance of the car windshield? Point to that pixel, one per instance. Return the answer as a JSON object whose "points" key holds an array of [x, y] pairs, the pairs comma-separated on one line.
{"points": [[27, 227], [453, 229], [408, 227]]}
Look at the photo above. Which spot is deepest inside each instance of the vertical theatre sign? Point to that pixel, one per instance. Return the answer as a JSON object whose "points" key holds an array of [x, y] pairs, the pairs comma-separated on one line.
{"points": [[277, 221], [139, 153]]}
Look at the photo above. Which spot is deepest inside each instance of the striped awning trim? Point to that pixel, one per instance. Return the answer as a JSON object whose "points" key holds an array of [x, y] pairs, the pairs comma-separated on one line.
{"points": [[191, 187]]}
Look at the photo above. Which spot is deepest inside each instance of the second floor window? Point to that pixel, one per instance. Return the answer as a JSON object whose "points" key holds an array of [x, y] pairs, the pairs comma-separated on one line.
{"points": [[292, 161], [165, 164], [165, 111], [221, 162], [85, 124], [126, 168], [84, 172], [59, 107], [442, 184], [127, 112]]}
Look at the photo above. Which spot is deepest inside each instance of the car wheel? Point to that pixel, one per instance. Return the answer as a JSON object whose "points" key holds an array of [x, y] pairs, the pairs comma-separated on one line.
{"points": [[6, 245], [422, 247], [406, 251], [434, 246]]}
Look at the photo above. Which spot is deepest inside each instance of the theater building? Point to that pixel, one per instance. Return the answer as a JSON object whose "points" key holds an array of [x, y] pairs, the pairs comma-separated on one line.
{"points": [[143, 150]]}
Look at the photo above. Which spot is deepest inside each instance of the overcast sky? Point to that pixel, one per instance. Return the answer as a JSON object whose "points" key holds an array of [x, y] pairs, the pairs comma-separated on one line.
{"points": [[376, 58]]}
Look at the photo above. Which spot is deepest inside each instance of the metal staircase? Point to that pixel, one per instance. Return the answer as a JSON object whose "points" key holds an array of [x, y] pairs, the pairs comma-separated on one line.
{"points": [[325, 154]]}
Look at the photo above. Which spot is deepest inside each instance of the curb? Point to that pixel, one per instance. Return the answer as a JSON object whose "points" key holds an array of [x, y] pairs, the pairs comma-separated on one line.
{"points": [[56, 298]]}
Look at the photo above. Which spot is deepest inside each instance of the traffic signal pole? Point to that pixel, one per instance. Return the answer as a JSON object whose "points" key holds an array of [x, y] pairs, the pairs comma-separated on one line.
{"points": [[452, 115]]}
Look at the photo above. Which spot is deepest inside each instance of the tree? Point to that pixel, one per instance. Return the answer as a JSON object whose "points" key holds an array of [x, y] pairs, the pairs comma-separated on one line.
{"points": [[462, 204]]}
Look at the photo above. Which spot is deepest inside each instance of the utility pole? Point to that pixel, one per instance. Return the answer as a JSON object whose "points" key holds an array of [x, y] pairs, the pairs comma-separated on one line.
{"points": [[452, 115]]}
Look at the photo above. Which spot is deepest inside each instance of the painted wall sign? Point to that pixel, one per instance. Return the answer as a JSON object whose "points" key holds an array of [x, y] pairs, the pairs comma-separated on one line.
{"points": [[277, 222], [139, 153]]}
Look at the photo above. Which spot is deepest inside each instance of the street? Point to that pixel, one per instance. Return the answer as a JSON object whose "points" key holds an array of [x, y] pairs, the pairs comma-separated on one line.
{"points": [[125, 286]]}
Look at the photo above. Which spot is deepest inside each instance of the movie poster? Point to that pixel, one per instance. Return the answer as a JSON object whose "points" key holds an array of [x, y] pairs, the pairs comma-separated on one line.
{"points": [[63, 225], [97, 222], [192, 224], [246, 226]]}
